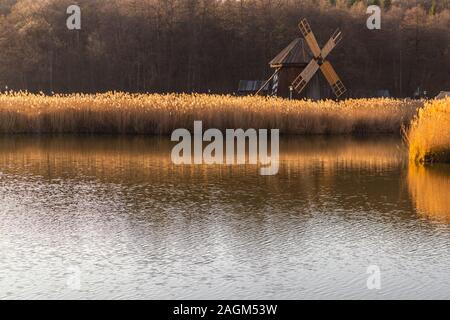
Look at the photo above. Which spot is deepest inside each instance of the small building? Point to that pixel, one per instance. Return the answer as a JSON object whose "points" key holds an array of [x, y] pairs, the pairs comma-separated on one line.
{"points": [[290, 62], [443, 95]]}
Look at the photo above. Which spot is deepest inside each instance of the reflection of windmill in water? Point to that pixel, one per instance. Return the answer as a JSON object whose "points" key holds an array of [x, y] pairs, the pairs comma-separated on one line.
{"points": [[296, 68]]}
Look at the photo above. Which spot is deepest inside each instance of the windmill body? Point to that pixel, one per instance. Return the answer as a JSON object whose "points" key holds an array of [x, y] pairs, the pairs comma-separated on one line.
{"points": [[287, 65]]}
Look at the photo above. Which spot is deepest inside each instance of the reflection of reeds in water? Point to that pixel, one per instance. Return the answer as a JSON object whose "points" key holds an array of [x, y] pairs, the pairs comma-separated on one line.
{"points": [[430, 190], [142, 168], [344, 152], [113, 158], [106, 158]]}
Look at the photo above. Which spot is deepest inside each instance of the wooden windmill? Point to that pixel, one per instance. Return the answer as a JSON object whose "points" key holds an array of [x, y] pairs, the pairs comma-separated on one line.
{"points": [[293, 60]]}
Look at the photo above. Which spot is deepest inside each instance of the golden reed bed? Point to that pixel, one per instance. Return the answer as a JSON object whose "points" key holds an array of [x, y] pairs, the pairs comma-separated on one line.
{"points": [[429, 135], [121, 113]]}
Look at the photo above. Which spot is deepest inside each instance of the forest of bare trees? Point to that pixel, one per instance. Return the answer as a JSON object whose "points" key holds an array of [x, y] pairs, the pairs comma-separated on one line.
{"points": [[209, 45]]}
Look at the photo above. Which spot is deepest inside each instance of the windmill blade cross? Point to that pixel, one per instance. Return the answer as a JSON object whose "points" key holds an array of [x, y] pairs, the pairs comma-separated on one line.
{"points": [[319, 61], [305, 28], [303, 78], [333, 79]]}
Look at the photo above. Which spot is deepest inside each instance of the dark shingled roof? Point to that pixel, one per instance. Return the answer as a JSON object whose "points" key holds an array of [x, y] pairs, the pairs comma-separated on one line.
{"points": [[295, 54]]}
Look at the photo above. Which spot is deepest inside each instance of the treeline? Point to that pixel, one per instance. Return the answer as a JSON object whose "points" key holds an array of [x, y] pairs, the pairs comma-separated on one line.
{"points": [[209, 45]]}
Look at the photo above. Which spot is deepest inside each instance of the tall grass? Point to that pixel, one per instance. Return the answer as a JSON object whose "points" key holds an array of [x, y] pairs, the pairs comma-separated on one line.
{"points": [[121, 113], [429, 135]]}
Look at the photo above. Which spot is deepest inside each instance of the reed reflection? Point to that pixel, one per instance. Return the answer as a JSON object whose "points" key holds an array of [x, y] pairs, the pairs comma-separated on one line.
{"points": [[128, 158], [430, 191], [334, 173]]}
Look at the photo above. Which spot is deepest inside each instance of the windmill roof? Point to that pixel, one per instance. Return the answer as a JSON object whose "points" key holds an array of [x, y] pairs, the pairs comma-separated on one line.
{"points": [[295, 54]]}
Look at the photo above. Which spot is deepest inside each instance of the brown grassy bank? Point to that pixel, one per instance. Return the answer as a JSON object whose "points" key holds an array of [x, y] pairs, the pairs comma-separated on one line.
{"points": [[121, 113]]}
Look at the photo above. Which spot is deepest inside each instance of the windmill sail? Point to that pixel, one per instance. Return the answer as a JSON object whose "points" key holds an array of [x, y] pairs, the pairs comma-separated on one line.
{"points": [[310, 38], [333, 79], [331, 44]]}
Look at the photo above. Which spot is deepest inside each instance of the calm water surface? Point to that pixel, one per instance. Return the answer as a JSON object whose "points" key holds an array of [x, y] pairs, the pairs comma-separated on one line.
{"points": [[135, 226]]}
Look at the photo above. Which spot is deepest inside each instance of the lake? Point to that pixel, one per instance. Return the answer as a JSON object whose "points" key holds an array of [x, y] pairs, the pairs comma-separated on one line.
{"points": [[113, 218]]}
